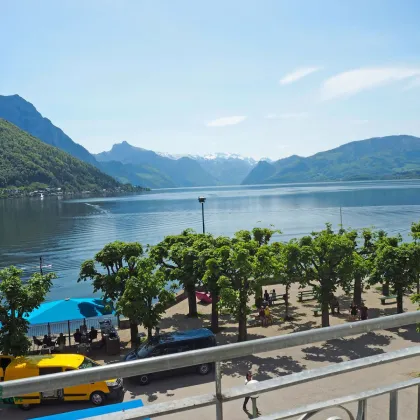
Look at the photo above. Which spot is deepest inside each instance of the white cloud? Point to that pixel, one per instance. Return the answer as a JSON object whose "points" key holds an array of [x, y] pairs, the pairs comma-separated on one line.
{"points": [[298, 74], [357, 80], [287, 116], [360, 122], [221, 122]]}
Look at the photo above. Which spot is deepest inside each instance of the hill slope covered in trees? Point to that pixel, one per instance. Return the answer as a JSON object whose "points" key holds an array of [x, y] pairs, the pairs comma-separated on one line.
{"points": [[27, 162], [391, 157]]}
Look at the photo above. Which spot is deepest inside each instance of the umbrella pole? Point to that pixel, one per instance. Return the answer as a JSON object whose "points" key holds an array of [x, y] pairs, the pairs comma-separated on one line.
{"points": [[68, 325]]}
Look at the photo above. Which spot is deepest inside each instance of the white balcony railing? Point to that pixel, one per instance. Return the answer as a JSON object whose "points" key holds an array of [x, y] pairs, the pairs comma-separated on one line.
{"points": [[231, 351]]}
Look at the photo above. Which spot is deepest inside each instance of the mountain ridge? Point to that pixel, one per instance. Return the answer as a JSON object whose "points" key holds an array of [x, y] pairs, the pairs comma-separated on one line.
{"points": [[389, 157], [24, 115], [29, 163], [182, 172]]}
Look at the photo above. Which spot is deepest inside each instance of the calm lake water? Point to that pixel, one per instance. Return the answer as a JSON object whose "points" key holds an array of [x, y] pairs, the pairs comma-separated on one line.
{"points": [[66, 232]]}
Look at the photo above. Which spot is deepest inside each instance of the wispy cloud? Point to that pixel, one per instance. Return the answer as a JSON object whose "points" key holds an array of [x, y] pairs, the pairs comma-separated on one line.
{"points": [[287, 116], [298, 74], [221, 122], [360, 122], [357, 80]]}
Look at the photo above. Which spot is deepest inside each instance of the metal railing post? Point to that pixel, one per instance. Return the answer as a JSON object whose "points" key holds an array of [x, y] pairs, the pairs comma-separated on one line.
{"points": [[219, 401], [393, 405], [418, 402], [361, 410], [254, 407]]}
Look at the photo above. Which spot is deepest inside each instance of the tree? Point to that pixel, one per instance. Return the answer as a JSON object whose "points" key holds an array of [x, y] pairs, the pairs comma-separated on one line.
{"points": [[210, 263], [415, 233], [18, 299], [261, 236], [326, 263], [177, 256], [286, 266], [363, 256], [398, 265], [240, 265], [146, 295], [119, 261]]}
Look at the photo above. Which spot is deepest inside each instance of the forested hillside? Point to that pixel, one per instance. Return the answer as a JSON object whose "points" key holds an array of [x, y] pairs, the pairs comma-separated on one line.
{"points": [[27, 162]]}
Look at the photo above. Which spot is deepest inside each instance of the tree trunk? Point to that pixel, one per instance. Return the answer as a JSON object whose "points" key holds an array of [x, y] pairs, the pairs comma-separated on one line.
{"points": [[258, 296], [286, 304], [192, 301], [357, 292], [133, 333], [242, 330], [400, 295], [242, 319], [149, 332], [385, 288], [418, 283], [214, 313], [325, 316]]}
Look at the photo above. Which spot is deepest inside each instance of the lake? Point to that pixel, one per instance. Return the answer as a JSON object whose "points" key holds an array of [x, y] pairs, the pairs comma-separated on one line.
{"points": [[66, 232]]}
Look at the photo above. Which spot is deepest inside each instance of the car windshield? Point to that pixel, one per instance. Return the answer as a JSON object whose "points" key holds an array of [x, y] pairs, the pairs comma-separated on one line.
{"points": [[145, 350], [87, 363]]}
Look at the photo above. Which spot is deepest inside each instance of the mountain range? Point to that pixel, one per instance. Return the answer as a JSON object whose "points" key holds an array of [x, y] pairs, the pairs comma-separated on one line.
{"points": [[389, 157], [137, 165], [128, 163]]}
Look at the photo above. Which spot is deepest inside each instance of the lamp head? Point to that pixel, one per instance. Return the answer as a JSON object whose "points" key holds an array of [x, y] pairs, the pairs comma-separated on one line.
{"points": [[201, 199]]}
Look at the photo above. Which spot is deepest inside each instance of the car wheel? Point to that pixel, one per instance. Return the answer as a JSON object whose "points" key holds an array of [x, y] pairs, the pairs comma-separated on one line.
{"points": [[97, 398], [25, 407], [204, 369], [144, 379]]}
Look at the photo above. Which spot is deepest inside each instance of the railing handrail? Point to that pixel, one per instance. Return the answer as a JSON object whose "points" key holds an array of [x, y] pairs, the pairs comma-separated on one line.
{"points": [[197, 357], [364, 395], [269, 385]]}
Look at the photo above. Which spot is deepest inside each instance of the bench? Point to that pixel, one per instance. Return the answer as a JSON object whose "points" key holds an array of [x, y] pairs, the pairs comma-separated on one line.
{"points": [[253, 319], [306, 293], [385, 298], [316, 311]]}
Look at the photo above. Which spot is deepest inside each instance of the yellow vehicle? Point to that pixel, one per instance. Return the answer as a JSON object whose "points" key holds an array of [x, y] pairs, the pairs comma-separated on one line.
{"points": [[30, 366], [4, 362]]}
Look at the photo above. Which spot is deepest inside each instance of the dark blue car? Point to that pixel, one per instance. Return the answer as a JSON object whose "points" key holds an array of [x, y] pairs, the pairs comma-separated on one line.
{"points": [[173, 343]]}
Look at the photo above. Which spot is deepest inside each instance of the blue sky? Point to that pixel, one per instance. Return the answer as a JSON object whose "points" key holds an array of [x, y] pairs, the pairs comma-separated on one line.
{"points": [[259, 78]]}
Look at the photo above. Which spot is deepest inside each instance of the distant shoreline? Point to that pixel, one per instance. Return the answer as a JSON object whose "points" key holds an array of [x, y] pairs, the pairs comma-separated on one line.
{"points": [[37, 195]]}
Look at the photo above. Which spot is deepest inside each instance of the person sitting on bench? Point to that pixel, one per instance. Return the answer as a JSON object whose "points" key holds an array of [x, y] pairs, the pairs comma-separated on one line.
{"points": [[267, 298], [93, 334], [77, 336], [268, 317], [353, 311], [262, 316], [334, 304], [363, 312], [273, 295]]}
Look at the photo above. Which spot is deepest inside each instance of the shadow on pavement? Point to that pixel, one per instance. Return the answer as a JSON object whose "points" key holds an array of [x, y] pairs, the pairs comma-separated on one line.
{"points": [[407, 332], [339, 350], [262, 367], [164, 385]]}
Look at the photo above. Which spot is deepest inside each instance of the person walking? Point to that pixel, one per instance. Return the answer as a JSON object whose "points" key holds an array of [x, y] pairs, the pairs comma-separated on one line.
{"points": [[249, 380]]}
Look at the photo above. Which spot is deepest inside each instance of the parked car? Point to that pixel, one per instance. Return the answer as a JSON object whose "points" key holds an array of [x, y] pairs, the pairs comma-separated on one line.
{"points": [[173, 343], [29, 366]]}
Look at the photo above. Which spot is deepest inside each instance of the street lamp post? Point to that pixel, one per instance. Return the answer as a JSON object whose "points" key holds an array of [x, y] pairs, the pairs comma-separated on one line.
{"points": [[202, 200]]}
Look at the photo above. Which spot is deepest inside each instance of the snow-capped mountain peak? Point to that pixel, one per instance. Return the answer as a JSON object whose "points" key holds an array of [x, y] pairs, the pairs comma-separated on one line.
{"points": [[210, 156]]}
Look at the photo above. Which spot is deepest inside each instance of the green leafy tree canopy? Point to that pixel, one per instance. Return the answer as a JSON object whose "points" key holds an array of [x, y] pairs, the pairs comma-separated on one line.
{"points": [[18, 299]]}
